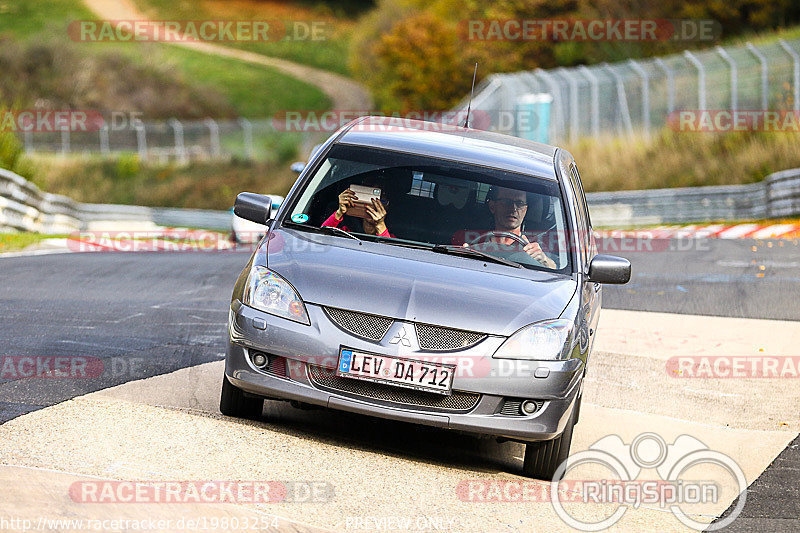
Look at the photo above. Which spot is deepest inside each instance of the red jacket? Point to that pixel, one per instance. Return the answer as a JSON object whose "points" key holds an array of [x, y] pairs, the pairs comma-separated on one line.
{"points": [[333, 221]]}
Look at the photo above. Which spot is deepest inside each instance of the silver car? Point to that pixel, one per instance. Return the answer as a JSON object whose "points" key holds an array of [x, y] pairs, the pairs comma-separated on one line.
{"points": [[429, 274]]}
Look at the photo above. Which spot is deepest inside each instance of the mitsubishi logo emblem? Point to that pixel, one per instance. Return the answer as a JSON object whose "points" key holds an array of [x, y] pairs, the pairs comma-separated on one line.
{"points": [[401, 337]]}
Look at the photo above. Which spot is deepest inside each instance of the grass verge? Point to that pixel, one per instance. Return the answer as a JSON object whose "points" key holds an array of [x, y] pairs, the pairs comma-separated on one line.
{"points": [[202, 185], [252, 90], [683, 159], [334, 26], [12, 242]]}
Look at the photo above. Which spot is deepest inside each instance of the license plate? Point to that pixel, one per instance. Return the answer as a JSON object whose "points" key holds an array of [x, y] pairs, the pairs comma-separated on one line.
{"points": [[399, 371]]}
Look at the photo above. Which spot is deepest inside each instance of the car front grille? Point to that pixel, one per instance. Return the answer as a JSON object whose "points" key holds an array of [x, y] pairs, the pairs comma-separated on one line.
{"points": [[440, 339], [326, 378], [370, 327], [374, 328]]}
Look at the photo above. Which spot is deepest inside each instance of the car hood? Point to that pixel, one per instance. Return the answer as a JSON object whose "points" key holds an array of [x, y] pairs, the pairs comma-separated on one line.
{"points": [[416, 285]]}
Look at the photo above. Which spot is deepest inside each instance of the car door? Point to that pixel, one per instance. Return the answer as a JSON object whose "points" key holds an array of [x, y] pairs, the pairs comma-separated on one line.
{"points": [[592, 291]]}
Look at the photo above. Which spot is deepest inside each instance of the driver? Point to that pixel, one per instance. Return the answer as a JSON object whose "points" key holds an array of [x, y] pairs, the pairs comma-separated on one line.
{"points": [[509, 207]]}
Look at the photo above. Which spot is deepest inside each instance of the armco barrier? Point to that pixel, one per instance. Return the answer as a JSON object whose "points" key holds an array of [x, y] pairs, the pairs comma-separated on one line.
{"points": [[775, 197], [783, 193], [679, 205], [23, 207]]}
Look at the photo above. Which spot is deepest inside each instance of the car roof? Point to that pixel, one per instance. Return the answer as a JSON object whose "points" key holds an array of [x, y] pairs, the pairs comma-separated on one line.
{"points": [[469, 145]]}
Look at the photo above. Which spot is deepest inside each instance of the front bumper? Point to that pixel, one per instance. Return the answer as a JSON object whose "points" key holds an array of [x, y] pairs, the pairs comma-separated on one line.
{"points": [[491, 381]]}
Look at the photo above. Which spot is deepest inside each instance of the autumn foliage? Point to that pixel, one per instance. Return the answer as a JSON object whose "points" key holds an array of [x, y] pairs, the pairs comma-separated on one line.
{"points": [[413, 53]]}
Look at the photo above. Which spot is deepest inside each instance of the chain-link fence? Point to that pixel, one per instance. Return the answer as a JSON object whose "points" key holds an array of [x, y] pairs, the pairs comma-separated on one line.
{"points": [[175, 140], [640, 96]]}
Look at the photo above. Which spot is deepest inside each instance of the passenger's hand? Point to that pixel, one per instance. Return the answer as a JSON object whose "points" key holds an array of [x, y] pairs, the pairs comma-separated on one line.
{"points": [[534, 250], [376, 213], [346, 199]]}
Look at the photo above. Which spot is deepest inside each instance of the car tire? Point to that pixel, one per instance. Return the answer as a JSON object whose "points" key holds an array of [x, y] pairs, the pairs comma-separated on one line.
{"points": [[233, 402], [542, 459]]}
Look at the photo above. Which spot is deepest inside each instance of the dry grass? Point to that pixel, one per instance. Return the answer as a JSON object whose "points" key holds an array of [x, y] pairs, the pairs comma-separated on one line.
{"points": [[205, 185], [673, 159]]}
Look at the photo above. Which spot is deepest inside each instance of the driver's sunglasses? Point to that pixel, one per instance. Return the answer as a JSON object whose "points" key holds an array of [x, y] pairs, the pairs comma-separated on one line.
{"points": [[509, 203]]}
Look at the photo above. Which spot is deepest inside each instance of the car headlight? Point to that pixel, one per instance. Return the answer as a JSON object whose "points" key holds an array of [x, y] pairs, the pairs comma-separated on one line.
{"points": [[541, 341], [272, 294]]}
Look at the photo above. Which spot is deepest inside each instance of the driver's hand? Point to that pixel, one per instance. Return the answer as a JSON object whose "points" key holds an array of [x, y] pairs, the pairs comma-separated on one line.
{"points": [[534, 250], [346, 199]]}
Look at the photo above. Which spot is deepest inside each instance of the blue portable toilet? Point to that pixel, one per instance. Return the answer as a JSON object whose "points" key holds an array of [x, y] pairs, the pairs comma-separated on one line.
{"points": [[532, 117]]}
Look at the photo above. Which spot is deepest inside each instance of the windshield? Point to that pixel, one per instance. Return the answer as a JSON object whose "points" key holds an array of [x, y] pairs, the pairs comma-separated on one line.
{"points": [[406, 199]]}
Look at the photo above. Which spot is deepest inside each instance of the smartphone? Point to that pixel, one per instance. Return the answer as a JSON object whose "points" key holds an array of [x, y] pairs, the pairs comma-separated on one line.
{"points": [[364, 196]]}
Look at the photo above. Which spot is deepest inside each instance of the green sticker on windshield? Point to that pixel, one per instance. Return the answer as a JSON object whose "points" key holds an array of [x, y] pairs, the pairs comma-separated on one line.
{"points": [[300, 218]]}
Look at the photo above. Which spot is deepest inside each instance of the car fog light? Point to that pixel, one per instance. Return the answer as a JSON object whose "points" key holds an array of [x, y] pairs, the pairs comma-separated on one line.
{"points": [[259, 359], [528, 407]]}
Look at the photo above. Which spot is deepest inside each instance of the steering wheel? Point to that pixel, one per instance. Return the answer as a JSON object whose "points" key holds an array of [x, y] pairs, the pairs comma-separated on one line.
{"points": [[506, 234]]}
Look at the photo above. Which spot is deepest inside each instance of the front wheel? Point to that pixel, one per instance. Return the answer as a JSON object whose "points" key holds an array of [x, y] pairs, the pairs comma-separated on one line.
{"points": [[542, 459], [233, 402]]}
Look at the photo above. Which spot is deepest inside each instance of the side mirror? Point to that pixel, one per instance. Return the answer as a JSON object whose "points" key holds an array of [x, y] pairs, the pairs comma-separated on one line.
{"points": [[298, 167], [253, 207], [609, 269]]}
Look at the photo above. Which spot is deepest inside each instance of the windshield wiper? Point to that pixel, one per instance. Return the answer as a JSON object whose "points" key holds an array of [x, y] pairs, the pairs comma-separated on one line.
{"points": [[460, 250], [338, 231], [330, 230]]}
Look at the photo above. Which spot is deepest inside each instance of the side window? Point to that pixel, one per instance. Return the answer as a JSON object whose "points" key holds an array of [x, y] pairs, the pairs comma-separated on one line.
{"points": [[581, 212], [591, 246]]}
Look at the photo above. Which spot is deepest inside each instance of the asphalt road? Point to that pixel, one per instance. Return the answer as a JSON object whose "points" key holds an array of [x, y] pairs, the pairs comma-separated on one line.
{"points": [[140, 314], [152, 313], [734, 278], [134, 316]]}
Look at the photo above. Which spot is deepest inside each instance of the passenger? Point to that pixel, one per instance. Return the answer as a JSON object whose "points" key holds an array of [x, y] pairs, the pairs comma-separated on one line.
{"points": [[509, 208], [373, 223]]}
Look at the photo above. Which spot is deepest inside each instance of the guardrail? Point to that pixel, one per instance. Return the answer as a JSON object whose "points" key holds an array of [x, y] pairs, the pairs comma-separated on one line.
{"points": [[775, 197], [23, 207]]}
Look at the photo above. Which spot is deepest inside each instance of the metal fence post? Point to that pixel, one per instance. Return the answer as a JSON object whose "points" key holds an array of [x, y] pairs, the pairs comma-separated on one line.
{"points": [[621, 98], [213, 131], [764, 75], [701, 79], [558, 104], [645, 93], [104, 140], [247, 131], [180, 149], [65, 148], [796, 61], [734, 77], [141, 141], [595, 92], [574, 123], [670, 84]]}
